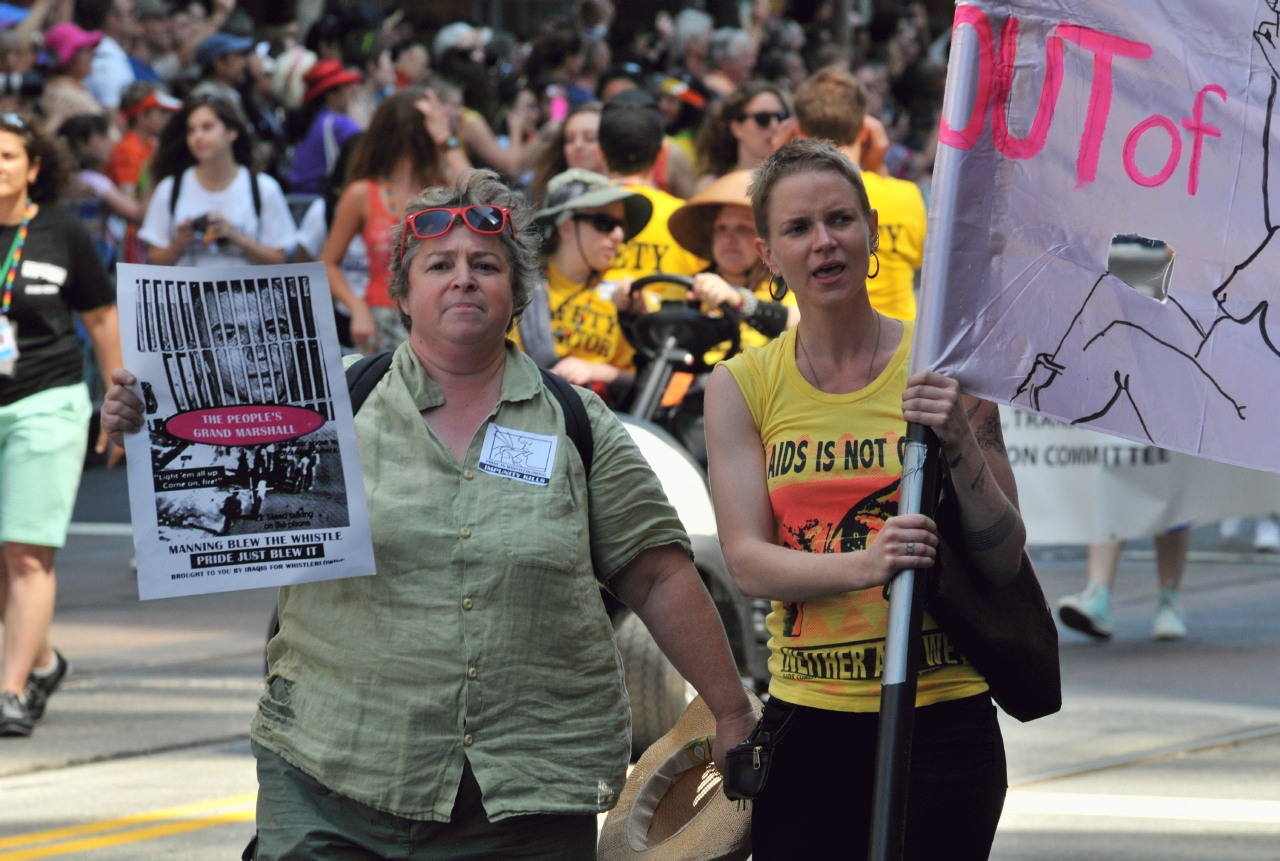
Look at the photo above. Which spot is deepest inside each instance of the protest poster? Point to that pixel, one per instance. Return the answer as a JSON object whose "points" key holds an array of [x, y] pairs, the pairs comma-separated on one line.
{"points": [[1071, 129], [246, 474], [1077, 486]]}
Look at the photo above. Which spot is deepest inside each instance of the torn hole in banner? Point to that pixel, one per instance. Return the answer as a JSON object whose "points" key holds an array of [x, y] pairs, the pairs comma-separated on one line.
{"points": [[1144, 264]]}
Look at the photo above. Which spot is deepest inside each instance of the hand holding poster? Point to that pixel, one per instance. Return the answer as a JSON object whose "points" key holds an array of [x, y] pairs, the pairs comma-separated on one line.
{"points": [[246, 474], [1069, 125]]}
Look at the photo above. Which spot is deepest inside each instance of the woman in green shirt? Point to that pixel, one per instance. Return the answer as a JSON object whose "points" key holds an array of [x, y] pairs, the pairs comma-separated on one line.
{"points": [[468, 700]]}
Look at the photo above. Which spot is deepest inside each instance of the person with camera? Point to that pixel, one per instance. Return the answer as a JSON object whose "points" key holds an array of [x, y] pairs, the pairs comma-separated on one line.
{"points": [[209, 208]]}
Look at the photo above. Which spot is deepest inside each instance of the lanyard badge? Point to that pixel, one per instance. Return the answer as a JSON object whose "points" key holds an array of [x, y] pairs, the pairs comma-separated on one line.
{"points": [[8, 328]]}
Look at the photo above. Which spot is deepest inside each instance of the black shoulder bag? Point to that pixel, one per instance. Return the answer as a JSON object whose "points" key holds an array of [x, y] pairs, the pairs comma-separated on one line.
{"points": [[1006, 632]]}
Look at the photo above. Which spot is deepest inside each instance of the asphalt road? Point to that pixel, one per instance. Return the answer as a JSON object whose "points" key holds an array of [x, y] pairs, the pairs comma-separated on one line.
{"points": [[1162, 751]]}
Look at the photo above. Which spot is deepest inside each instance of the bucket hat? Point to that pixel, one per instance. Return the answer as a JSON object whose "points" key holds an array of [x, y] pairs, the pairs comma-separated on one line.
{"points": [[325, 75], [673, 806], [576, 189], [693, 224]]}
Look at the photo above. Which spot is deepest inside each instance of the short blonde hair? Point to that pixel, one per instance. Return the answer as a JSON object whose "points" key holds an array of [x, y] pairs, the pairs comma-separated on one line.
{"points": [[805, 155], [519, 242]]}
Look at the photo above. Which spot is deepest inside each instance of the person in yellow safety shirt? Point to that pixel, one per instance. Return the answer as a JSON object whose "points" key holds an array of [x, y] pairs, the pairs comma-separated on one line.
{"points": [[717, 223], [832, 106], [901, 252], [631, 133], [570, 327]]}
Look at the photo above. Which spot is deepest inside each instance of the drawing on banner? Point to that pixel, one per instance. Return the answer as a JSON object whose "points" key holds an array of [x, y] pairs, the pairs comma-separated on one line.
{"points": [[1194, 336], [222, 463], [1187, 92], [246, 474]]}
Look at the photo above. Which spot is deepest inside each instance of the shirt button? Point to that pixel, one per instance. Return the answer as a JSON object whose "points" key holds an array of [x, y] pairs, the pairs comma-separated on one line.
{"points": [[464, 532], [467, 739], [468, 474], [471, 673], [467, 604]]}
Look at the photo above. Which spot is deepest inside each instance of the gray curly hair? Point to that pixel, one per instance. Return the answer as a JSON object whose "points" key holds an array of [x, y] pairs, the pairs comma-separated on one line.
{"points": [[520, 242]]}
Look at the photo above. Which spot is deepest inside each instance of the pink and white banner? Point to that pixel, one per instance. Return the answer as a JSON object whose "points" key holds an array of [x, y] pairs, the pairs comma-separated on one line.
{"points": [[1072, 127]]}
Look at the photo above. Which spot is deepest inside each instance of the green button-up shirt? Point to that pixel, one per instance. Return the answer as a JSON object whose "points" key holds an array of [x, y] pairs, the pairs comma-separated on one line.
{"points": [[483, 635]]}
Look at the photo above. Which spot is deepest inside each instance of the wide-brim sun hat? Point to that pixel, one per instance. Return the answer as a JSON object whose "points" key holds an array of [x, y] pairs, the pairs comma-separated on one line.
{"points": [[693, 225], [65, 38], [576, 189], [673, 806], [325, 75]]}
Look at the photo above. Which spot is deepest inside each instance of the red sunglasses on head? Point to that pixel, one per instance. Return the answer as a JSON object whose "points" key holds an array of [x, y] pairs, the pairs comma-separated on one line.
{"points": [[483, 218]]}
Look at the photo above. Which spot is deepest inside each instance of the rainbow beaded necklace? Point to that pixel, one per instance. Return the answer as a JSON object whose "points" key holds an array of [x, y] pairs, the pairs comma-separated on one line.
{"points": [[13, 262]]}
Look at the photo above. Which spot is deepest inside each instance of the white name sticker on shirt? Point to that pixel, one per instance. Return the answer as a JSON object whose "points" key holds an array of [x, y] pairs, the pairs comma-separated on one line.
{"points": [[524, 456], [9, 347]]}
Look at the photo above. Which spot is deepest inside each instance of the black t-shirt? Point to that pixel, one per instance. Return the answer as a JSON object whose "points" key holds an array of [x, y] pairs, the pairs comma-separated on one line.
{"points": [[60, 273]]}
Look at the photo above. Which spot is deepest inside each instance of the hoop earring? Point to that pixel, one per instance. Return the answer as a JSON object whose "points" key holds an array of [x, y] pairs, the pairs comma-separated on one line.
{"points": [[778, 290], [877, 272]]}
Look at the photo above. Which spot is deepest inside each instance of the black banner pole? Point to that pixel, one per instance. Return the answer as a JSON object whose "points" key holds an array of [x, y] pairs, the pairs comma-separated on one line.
{"points": [[901, 661]]}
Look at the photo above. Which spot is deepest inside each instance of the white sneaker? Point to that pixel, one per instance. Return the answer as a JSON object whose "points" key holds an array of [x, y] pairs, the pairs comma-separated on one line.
{"points": [[1267, 536], [1168, 624]]}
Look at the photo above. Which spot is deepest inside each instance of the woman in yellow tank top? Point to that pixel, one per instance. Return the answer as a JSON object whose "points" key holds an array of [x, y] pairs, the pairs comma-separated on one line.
{"points": [[805, 437]]}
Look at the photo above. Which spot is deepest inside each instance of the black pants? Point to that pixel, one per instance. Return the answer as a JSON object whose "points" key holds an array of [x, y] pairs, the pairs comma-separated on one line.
{"points": [[817, 802]]}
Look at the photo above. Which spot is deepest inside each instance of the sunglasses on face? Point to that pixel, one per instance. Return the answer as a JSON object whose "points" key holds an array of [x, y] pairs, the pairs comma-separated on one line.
{"points": [[600, 222], [483, 218], [764, 119]]}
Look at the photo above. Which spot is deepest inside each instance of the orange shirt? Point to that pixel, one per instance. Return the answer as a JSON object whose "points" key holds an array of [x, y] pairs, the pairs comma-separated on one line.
{"points": [[128, 159]]}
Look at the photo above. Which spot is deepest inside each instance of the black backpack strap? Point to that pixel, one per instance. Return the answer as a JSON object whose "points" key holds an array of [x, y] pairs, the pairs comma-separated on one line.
{"points": [[257, 198], [577, 424], [173, 195], [364, 375]]}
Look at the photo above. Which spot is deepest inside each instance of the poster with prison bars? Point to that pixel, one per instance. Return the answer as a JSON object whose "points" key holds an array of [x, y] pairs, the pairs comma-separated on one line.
{"points": [[246, 474]]}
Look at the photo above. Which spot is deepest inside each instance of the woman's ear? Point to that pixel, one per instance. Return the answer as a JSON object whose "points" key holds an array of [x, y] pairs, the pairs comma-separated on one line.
{"points": [[762, 248], [33, 170]]}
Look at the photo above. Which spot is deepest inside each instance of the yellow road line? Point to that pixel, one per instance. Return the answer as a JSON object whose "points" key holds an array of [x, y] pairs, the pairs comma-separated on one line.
{"points": [[186, 811], [135, 836]]}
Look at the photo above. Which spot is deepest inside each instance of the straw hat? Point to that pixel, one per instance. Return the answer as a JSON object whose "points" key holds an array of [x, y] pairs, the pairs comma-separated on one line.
{"points": [[287, 82], [673, 807], [693, 224]]}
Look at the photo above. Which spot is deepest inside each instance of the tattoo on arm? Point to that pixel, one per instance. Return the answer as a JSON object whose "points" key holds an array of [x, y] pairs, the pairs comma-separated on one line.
{"points": [[979, 481], [989, 435], [954, 463], [994, 535]]}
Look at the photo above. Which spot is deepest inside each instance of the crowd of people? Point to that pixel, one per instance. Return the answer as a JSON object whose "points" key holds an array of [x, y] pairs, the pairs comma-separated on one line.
{"points": [[786, 175]]}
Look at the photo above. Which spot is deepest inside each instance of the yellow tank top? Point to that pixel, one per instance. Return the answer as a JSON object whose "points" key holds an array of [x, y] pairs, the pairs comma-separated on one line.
{"points": [[833, 467]]}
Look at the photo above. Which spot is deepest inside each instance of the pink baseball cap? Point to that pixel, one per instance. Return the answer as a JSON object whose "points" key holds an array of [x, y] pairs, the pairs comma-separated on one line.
{"points": [[65, 38]]}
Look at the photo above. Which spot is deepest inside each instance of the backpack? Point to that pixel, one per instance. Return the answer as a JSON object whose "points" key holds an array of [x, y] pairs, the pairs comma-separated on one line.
{"points": [[364, 375]]}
